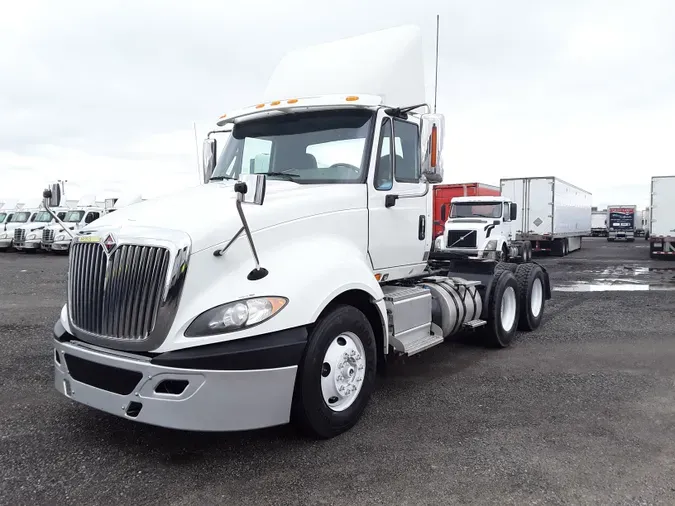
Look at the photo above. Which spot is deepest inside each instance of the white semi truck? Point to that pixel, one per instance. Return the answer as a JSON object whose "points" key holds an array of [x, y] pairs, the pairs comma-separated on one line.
{"points": [[555, 215], [482, 228], [24, 215], [662, 217], [307, 276], [28, 236], [56, 237]]}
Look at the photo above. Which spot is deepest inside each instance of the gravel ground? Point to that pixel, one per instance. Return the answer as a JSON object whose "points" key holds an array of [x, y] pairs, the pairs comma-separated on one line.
{"points": [[580, 412]]}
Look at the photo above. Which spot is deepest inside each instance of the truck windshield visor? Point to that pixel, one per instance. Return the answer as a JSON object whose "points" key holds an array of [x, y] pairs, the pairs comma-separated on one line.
{"points": [[476, 210], [316, 147]]}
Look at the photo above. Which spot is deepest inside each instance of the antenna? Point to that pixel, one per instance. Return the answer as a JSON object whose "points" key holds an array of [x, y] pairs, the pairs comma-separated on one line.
{"points": [[438, 29], [194, 127]]}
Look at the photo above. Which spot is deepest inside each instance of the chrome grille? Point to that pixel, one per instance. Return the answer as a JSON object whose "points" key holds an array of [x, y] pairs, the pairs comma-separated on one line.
{"points": [[47, 235], [19, 235], [117, 297]]}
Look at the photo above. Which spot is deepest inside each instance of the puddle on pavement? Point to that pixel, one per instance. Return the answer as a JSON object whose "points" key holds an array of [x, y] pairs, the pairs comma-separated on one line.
{"points": [[623, 278], [612, 287]]}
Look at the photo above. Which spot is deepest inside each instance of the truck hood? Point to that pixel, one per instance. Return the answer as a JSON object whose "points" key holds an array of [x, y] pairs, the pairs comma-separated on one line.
{"points": [[12, 226], [34, 226], [208, 213]]}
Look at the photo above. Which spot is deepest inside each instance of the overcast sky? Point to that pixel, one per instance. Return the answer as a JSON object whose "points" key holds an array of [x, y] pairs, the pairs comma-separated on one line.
{"points": [[104, 94]]}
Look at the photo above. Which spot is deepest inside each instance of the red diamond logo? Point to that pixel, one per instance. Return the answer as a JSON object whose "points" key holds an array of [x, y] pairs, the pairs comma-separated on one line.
{"points": [[109, 243]]}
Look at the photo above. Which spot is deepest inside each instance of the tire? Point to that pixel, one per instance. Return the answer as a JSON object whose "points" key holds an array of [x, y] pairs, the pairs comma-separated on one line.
{"points": [[344, 326], [527, 251], [531, 283], [506, 266], [503, 302]]}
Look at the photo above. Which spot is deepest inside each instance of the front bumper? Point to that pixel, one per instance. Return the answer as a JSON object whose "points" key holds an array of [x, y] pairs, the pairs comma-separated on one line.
{"points": [[210, 398], [60, 246], [32, 244], [6, 243]]}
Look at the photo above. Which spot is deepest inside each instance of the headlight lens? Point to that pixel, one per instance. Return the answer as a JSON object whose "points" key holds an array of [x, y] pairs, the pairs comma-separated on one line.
{"points": [[60, 237], [3, 236], [438, 243], [236, 315], [491, 245], [31, 236]]}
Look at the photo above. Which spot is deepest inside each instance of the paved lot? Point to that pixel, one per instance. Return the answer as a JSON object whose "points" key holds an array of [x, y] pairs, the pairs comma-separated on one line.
{"points": [[581, 412]]}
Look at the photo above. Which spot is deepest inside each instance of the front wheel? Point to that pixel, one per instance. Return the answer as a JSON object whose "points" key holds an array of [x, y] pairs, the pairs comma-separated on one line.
{"points": [[337, 374]]}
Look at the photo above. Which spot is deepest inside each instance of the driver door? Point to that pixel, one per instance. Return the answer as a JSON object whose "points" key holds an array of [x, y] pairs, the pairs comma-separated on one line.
{"points": [[397, 226]]}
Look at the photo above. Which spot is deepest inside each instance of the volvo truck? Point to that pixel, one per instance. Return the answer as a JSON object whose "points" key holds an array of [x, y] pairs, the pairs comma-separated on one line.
{"points": [[482, 228], [28, 236], [309, 274], [444, 193], [23, 216]]}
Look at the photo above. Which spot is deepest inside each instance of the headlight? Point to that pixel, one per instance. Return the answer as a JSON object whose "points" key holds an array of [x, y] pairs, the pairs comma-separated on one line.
{"points": [[3, 236], [491, 246], [31, 236], [60, 237], [236, 315], [438, 243]]}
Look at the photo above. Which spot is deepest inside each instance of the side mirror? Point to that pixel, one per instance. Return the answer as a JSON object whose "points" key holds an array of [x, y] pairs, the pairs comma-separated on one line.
{"points": [[52, 195], [209, 154], [432, 127], [251, 188], [514, 211]]}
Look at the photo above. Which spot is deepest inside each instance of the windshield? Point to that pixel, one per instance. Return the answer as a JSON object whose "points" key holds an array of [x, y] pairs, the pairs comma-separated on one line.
{"points": [[476, 210], [2, 217], [20, 217], [74, 216], [315, 147], [43, 217]]}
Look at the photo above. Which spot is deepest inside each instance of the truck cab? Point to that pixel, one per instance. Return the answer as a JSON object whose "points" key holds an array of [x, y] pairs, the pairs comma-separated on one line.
{"points": [[28, 236], [20, 218], [481, 228]]}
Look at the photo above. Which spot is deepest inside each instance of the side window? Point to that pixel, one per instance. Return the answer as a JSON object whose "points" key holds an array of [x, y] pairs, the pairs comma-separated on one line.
{"points": [[91, 217], [383, 179], [256, 156], [407, 162]]}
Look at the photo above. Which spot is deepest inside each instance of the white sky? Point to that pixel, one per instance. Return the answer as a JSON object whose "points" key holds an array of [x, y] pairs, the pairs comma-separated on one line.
{"points": [[104, 94]]}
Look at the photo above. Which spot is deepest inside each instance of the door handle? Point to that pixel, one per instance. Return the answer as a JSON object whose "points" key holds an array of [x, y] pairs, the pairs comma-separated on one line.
{"points": [[421, 229]]}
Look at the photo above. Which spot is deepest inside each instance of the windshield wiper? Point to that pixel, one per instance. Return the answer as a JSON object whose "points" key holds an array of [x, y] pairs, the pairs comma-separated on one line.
{"points": [[287, 175], [220, 178]]}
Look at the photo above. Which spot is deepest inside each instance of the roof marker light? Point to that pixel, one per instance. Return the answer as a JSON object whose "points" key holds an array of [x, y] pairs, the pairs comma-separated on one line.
{"points": [[292, 101], [351, 98], [276, 102]]}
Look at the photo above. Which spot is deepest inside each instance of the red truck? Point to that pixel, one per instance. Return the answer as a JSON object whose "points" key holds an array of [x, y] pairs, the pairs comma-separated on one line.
{"points": [[444, 193]]}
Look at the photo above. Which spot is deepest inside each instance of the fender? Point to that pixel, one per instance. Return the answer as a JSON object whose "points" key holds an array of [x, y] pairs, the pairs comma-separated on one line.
{"points": [[310, 262]]}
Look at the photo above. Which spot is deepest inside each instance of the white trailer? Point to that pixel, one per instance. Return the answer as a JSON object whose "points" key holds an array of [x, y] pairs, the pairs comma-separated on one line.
{"points": [[598, 223], [305, 278], [555, 214], [662, 219]]}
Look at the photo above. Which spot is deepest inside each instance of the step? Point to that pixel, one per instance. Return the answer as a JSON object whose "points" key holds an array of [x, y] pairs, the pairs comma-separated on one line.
{"points": [[474, 324], [415, 344]]}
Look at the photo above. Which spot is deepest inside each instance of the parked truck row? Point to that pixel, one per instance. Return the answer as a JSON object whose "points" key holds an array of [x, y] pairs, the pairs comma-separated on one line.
{"points": [[32, 227]]}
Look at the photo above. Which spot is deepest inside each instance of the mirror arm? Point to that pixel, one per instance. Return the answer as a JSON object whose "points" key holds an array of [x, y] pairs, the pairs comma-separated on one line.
{"points": [[390, 200], [47, 194]]}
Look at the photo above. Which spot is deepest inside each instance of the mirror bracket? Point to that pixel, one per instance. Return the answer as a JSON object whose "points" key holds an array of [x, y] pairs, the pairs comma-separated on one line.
{"points": [[52, 198], [257, 183]]}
